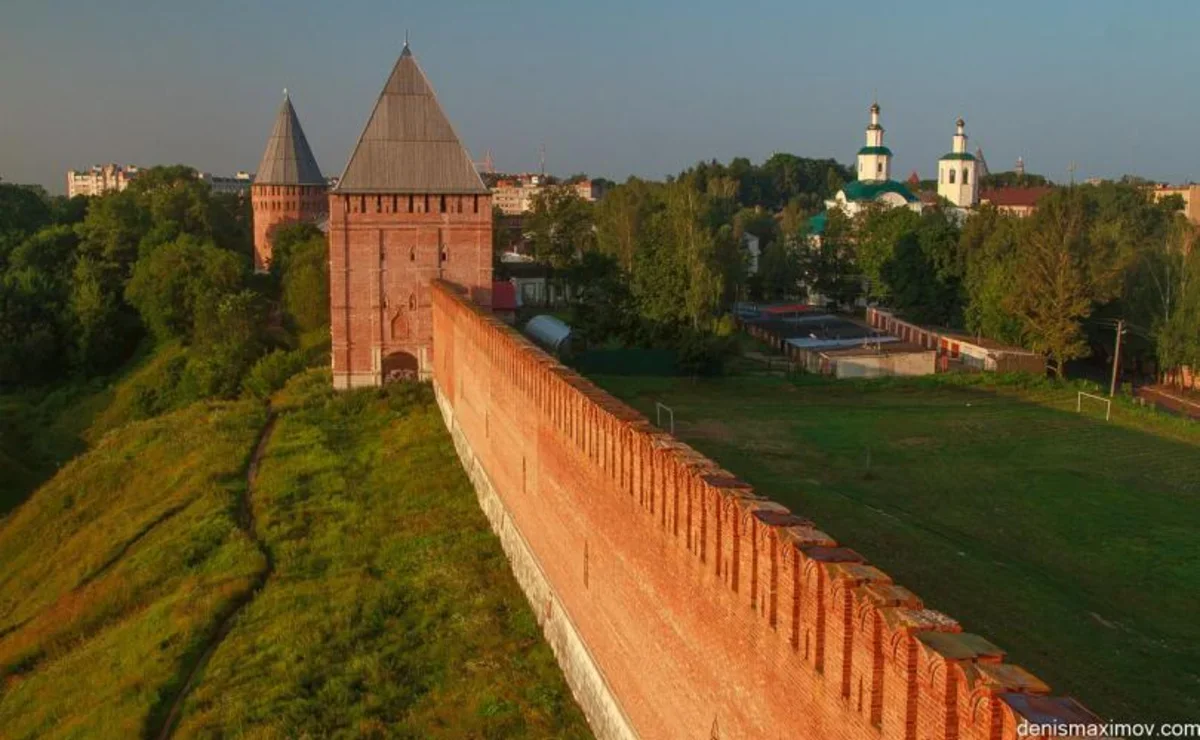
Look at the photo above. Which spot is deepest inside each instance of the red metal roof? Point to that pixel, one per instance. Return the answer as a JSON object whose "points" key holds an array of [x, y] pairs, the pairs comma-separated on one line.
{"points": [[1027, 197], [788, 308], [504, 296]]}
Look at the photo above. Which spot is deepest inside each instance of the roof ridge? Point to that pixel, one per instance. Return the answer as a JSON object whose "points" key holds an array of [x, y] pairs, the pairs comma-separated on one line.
{"points": [[408, 143], [287, 158]]}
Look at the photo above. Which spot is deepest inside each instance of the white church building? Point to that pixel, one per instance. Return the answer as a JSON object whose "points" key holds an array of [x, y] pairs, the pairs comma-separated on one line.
{"points": [[874, 183], [958, 172], [958, 178]]}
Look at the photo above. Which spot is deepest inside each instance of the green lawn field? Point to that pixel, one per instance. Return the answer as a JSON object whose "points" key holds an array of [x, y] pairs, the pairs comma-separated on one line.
{"points": [[1070, 542]]}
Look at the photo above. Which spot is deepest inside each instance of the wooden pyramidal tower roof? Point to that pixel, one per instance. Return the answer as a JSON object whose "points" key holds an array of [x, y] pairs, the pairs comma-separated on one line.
{"points": [[288, 160], [408, 145]]}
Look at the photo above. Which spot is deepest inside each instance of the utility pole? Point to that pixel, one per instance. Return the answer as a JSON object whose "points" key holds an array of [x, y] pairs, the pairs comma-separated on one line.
{"points": [[1112, 390]]}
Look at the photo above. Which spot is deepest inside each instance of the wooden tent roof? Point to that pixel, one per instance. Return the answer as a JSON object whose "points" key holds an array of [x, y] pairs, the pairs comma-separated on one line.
{"points": [[288, 160], [408, 145]]}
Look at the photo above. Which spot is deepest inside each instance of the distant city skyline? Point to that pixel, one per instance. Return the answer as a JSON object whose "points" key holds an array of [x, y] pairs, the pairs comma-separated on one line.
{"points": [[614, 90]]}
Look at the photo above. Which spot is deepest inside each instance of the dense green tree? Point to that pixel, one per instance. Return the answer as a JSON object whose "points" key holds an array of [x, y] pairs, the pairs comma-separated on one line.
{"points": [[780, 269], [828, 265], [112, 230], [22, 212], [229, 336], [603, 307], [1178, 333], [1163, 293], [560, 227], [778, 181], [34, 322], [175, 287], [623, 215], [697, 246], [77, 274], [103, 329], [305, 283], [69, 211], [31, 328], [878, 232], [291, 238], [989, 244], [1050, 293]]}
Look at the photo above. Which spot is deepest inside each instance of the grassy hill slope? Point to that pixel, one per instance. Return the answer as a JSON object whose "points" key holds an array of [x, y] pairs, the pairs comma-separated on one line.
{"points": [[391, 607], [353, 588], [41, 430], [118, 570]]}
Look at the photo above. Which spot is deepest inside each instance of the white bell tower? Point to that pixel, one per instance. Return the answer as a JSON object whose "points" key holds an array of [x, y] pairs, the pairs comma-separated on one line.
{"points": [[958, 172], [874, 159]]}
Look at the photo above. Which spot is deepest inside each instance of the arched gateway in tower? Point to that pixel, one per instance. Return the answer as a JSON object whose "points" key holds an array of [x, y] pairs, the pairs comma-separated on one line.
{"points": [[288, 186], [409, 208]]}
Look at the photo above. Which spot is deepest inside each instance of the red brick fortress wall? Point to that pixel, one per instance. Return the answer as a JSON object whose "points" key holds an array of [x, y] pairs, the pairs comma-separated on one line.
{"points": [[384, 250], [278, 204], [705, 610]]}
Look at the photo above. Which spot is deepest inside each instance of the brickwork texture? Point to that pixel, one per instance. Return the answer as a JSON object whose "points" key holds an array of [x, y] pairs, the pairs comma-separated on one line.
{"points": [[704, 610], [384, 251], [275, 205]]}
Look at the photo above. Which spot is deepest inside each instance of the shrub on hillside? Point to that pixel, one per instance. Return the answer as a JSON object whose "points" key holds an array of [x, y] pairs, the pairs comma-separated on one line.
{"points": [[271, 372], [700, 353], [305, 283], [157, 392]]}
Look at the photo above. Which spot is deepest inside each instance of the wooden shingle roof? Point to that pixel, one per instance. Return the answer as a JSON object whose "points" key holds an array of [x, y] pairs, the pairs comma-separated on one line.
{"points": [[288, 160], [408, 145]]}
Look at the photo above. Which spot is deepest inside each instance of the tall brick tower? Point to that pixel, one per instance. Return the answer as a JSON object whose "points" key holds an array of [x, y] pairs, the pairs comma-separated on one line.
{"points": [[288, 186], [409, 208]]}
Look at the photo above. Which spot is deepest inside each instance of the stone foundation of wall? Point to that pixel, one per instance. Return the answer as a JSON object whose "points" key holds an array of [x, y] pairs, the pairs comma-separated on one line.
{"points": [[587, 683]]}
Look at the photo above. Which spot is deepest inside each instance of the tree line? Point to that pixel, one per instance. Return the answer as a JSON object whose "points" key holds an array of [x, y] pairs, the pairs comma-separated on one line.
{"points": [[654, 262], [84, 282]]}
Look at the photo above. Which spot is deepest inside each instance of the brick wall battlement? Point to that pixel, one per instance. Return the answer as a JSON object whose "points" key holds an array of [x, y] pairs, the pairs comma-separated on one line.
{"points": [[708, 610]]}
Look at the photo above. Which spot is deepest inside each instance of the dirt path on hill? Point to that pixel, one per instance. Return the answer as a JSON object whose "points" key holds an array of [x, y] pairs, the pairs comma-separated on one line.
{"points": [[246, 522]]}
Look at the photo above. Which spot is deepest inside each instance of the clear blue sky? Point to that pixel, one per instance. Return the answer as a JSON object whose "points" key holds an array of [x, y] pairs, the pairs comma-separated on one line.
{"points": [[612, 88]]}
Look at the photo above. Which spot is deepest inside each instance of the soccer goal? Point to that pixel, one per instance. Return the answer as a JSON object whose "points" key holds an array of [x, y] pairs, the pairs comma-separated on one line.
{"points": [[661, 410], [1093, 399]]}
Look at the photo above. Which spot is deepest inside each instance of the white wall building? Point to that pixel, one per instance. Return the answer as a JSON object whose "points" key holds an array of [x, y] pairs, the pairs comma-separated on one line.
{"points": [[958, 172], [239, 184], [100, 179]]}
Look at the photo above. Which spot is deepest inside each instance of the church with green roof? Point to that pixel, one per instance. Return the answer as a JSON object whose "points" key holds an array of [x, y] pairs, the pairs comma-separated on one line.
{"points": [[874, 183], [958, 179]]}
